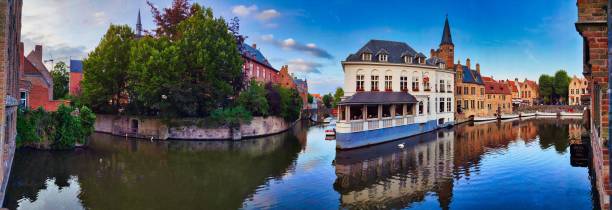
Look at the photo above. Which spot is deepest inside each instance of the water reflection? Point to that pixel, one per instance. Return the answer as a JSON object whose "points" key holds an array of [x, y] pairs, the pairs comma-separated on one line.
{"points": [[116, 173], [507, 165]]}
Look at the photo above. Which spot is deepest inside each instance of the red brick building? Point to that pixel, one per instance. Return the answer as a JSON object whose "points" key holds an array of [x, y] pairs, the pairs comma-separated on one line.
{"points": [[593, 20], [36, 83], [76, 76], [256, 66], [285, 79]]}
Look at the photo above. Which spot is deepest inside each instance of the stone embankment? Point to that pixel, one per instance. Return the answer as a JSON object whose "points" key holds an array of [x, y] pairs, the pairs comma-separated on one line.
{"points": [[147, 127], [550, 108]]}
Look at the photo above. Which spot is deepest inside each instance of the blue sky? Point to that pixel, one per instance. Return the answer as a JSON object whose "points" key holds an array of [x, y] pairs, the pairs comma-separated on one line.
{"points": [[519, 38]]}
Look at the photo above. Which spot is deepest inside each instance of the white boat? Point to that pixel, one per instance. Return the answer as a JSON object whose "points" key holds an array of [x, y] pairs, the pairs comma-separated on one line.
{"points": [[572, 114], [546, 114], [508, 116], [523, 114], [482, 119], [328, 120]]}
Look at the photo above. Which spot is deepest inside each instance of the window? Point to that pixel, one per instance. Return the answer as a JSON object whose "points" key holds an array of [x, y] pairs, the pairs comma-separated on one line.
{"points": [[388, 83], [399, 110], [458, 90], [472, 104], [23, 99], [466, 91], [360, 82], [415, 83], [420, 107], [482, 92], [383, 57], [449, 87], [441, 105], [366, 56], [442, 90], [572, 91], [374, 82], [466, 105], [404, 83], [372, 111], [473, 91], [428, 107], [449, 104], [407, 59]]}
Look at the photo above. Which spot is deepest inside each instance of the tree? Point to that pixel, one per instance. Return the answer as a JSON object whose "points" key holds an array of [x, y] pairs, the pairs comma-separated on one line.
{"points": [[104, 82], [167, 21], [60, 80], [338, 96], [561, 84], [546, 88], [310, 99], [327, 100], [254, 99]]}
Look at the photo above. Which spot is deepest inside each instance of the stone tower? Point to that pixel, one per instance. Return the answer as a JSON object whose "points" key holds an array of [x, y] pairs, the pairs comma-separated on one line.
{"points": [[447, 48]]}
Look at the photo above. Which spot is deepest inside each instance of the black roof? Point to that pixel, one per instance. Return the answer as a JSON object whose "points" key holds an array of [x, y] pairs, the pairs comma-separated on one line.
{"points": [[446, 34], [380, 98], [394, 49]]}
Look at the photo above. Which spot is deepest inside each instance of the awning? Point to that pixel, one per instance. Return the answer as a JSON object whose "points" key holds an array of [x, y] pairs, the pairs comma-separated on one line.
{"points": [[380, 98]]}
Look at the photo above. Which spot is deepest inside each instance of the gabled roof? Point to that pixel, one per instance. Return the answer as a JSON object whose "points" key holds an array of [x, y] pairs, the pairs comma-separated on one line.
{"points": [[76, 66], [256, 55], [38, 67], [471, 76], [495, 87], [513, 85], [395, 50]]}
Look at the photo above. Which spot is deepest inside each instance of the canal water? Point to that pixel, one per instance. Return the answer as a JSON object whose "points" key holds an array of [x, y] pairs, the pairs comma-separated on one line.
{"points": [[529, 164]]}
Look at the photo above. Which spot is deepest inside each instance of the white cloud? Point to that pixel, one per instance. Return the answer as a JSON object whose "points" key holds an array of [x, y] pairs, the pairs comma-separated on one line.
{"points": [[267, 37], [288, 43], [311, 45], [268, 15], [291, 44], [100, 18], [243, 11], [302, 66]]}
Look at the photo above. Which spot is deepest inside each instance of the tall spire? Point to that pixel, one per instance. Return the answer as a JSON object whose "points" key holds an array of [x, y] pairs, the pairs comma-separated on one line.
{"points": [[138, 25], [446, 35]]}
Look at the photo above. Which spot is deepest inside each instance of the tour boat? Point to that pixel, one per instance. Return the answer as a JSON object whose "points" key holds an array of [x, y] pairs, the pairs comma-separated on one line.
{"points": [[571, 114], [546, 114], [508, 116], [482, 119], [523, 114]]}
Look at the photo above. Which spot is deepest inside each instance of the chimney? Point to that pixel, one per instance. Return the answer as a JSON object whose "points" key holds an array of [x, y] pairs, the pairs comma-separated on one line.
{"points": [[254, 45], [478, 67], [38, 51], [468, 64]]}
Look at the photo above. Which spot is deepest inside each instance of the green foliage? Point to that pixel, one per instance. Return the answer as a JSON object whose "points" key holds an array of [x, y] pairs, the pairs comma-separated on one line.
{"points": [[231, 117], [57, 130], [327, 100], [104, 81], [254, 99], [60, 80], [290, 103], [338, 96], [310, 99], [554, 89]]}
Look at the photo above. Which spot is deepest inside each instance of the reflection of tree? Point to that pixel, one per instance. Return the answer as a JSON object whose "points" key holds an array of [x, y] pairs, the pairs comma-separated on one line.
{"points": [[554, 134], [120, 174]]}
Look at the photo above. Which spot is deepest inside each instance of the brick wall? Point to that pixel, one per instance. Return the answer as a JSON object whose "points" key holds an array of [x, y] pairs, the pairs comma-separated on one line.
{"points": [[74, 86]]}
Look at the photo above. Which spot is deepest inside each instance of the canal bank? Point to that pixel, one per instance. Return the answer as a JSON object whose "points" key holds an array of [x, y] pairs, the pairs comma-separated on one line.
{"points": [[523, 164]]}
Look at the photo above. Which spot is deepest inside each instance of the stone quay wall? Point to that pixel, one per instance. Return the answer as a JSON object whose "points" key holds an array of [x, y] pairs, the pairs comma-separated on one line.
{"points": [[149, 127]]}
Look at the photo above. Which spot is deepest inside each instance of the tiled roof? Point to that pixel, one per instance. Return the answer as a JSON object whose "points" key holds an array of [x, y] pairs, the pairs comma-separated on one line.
{"points": [[380, 98], [434, 61], [471, 76], [395, 50], [512, 85], [255, 54], [494, 87], [76, 66]]}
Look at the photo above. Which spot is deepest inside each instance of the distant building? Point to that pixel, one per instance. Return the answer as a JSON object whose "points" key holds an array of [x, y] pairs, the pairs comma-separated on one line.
{"points": [[470, 91], [76, 76], [530, 92], [302, 88], [516, 91], [36, 83], [256, 66], [285, 79], [498, 97], [578, 89]]}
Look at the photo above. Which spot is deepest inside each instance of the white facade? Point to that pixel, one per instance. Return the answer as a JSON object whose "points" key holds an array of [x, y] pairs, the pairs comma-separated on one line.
{"points": [[431, 94]]}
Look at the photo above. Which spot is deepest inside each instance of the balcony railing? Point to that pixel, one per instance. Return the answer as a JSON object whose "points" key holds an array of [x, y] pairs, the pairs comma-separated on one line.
{"points": [[373, 124]]}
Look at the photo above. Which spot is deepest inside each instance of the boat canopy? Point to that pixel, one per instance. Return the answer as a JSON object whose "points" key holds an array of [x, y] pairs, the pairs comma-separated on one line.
{"points": [[380, 98]]}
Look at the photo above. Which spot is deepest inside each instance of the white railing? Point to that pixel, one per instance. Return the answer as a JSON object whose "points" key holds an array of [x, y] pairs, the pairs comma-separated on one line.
{"points": [[373, 124], [387, 123], [409, 120], [399, 121], [356, 126]]}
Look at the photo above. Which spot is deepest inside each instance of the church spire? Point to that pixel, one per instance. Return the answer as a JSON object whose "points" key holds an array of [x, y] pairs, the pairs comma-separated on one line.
{"points": [[446, 35], [138, 25]]}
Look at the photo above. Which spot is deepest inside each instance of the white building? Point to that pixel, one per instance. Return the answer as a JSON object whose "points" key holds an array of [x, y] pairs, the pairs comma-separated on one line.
{"points": [[391, 92]]}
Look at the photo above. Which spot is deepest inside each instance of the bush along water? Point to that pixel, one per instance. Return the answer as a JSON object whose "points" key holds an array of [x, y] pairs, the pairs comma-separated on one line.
{"points": [[64, 129]]}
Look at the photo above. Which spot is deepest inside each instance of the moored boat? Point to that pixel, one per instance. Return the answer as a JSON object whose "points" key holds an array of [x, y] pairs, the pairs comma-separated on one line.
{"points": [[571, 114], [532, 114], [546, 114], [482, 119], [508, 116]]}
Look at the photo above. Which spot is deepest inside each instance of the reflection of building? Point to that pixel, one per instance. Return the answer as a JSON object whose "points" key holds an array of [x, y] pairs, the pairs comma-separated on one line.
{"points": [[393, 91], [578, 88], [427, 167]]}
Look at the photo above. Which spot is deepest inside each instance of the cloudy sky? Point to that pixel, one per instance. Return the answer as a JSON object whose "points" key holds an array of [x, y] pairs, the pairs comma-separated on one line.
{"points": [[520, 38]]}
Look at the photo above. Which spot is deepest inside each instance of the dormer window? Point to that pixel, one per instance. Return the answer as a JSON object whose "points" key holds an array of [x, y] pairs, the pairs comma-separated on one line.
{"points": [[366, 56], [442, 66], [407, 59], [383, 57]]}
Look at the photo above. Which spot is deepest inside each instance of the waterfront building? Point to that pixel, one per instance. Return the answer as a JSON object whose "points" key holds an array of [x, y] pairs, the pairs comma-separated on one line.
{"points": [[256, 66], [36, 83], [391, 92], [302, 88], [10, 62], [286, 80], [530, 92], [498, 97], [516, 89], [578, 90], [76, 76], [592, 25], [470, 92]]}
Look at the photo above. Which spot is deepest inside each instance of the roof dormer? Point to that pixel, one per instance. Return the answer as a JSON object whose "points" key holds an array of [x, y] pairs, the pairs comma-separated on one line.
{"points": [[407, 57], [383, 55]]}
